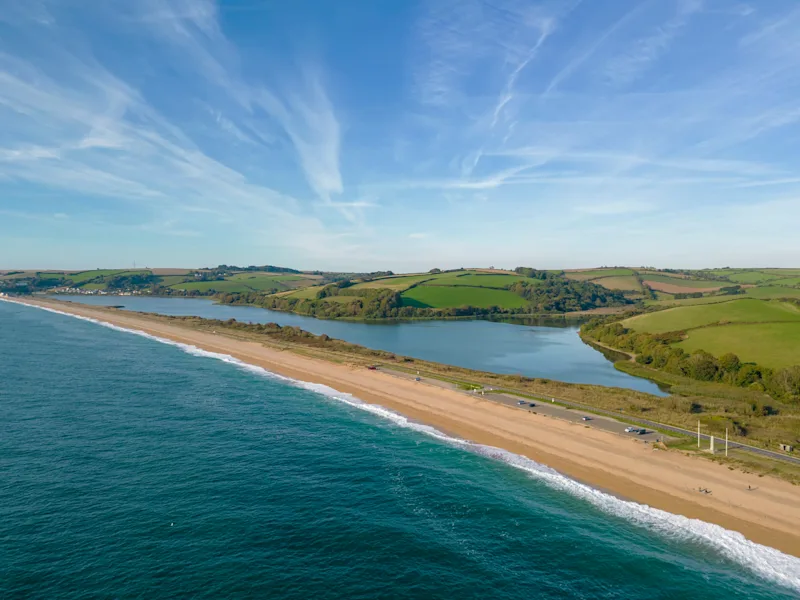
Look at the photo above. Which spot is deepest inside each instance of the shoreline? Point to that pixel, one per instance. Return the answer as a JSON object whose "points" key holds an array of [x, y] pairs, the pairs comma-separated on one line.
{"points": [[628, 469]]}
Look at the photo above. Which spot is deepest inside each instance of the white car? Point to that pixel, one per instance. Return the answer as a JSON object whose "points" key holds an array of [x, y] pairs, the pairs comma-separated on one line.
{"points": [[631, 430]]}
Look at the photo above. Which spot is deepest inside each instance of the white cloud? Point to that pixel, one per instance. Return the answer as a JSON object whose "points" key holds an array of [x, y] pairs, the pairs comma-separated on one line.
{"points": [[628, 66]]}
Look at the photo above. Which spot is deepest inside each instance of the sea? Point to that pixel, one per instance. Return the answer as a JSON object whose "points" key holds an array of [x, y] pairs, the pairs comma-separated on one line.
{"points": [[133, 467]]}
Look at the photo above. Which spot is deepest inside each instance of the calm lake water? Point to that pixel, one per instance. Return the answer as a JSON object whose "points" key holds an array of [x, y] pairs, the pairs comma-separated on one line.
{"points": [[534, 351]]}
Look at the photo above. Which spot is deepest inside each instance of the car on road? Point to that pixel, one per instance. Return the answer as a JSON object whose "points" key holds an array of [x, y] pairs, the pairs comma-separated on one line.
{"points": [[636, 430], [586, 418], [531, 404], [521, 402]]}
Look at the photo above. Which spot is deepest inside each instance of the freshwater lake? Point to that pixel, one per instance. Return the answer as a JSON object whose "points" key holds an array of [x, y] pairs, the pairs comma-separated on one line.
{"points": [[532, 350]]}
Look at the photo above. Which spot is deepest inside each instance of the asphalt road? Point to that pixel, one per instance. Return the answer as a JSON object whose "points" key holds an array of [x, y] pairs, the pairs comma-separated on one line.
{"points": [[606, 420], [542, 407]]}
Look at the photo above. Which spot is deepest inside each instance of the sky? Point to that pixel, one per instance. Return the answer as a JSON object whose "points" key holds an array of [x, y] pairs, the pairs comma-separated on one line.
{"points": [[399, 134]]}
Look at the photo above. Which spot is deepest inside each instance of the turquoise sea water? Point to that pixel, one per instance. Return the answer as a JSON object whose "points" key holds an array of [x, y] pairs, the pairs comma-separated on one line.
{"points": [[131, 468]]}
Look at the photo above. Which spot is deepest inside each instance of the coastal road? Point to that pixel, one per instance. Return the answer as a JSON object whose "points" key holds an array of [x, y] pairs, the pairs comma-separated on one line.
{"points": [[542, 407], [600, 418]]}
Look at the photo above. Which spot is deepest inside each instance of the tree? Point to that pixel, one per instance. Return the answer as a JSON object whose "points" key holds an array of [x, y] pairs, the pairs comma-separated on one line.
{"points": [[729, 363]]}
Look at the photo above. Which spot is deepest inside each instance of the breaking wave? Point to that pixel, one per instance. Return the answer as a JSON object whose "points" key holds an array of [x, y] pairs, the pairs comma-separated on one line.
{"points": [[762, 560]]}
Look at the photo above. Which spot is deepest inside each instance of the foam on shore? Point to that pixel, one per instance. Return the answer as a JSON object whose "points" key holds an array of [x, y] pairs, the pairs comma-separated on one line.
{"points": [[764, 561]]}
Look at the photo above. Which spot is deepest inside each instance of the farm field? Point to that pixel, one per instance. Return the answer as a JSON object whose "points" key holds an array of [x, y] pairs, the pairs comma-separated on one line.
{"points": [[595, 273], [629, 283], [306, 293], [773, 291], [773, 345], [170, 271], [478, 280], [663, 274], [84, 276], [683, 282], [433, 296], [752, 277], [667, 300], [251, 281], [169, 280], [689, 317], [206, 286], [782, 272], [399, 282], [791, 281]]}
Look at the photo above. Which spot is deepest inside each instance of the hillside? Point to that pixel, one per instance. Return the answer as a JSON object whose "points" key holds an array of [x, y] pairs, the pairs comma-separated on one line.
{"points": [[743, 342], [463, 292]]}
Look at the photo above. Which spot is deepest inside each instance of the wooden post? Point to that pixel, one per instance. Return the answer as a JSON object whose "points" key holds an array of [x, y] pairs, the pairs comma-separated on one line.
{"points": [[726, 442], [698, 433], [711, 445]]}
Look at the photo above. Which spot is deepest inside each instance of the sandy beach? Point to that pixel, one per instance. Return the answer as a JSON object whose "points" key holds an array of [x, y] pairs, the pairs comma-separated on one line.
{"points": [[769, 514]]}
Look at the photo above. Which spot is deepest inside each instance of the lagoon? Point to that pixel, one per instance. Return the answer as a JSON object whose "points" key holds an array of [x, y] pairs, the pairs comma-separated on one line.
{"points": [[553, 352]]}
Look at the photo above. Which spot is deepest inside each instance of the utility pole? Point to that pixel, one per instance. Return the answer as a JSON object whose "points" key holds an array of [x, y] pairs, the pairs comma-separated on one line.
{"points": [[698, 433], [726, 442]]}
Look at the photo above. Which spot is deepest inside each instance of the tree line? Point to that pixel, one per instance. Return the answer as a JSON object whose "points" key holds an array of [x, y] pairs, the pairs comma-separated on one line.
{"points": [[545, 293], [657, 351]]}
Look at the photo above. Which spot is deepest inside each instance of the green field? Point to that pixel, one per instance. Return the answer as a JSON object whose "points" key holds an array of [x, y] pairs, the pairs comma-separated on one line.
{"points": [[249, 276], [306, 293], [774, 345], [629, 283], [791, 281], [773, 291], [169, 280], [434, 296], [595, 273], [752, 277], [735, 311], [662, 274], [782, 272], [218, 286], [399, 283], [667, 300], [692, 284], [478, 280], [84, 276], [243, 282]]}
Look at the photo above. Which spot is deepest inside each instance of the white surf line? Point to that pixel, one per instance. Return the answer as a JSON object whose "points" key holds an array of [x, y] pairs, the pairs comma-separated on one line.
{"points": [[764, 561]]}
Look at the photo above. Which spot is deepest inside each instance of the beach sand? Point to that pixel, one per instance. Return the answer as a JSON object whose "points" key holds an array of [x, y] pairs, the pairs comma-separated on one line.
{"points": [[769, 514]]}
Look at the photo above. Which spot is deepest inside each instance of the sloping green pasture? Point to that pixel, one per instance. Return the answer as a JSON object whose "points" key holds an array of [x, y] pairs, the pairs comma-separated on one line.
{"points": [[691, 284], [435, 296], [479, 280], [774, 345], [619, 283], [595, 273], [688, 317]]}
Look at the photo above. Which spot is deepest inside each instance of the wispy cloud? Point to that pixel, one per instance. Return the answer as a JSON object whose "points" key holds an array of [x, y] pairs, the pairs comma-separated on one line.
{"points": [[576, 63], [166, 119], [628, 66], [308, 119]]}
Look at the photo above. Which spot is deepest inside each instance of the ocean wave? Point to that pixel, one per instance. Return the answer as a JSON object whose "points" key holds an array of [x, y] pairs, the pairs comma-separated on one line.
{"points": [[764, 561]]}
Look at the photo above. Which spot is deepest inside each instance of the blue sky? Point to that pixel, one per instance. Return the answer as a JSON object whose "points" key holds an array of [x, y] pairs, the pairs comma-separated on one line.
{"points": [[399, 134]]}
